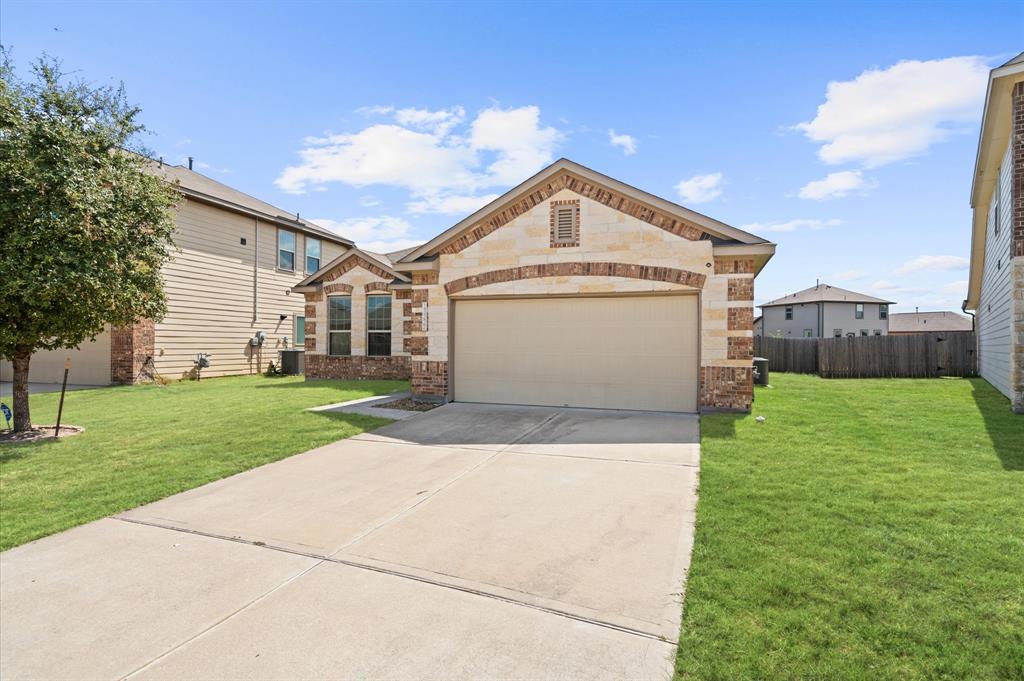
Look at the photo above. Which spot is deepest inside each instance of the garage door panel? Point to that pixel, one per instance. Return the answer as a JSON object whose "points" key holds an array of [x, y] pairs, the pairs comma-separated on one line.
{"points": [[615, 353]]}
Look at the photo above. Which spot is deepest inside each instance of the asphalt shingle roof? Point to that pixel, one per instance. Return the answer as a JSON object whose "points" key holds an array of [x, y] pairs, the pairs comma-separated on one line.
{"points": [[824, 293]]}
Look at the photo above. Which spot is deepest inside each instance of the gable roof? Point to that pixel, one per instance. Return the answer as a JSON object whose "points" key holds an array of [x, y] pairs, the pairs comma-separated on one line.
{"points": [[198, 186], [992, 141], [715, 229], [373, 259], [929, 321], [823, 293]]}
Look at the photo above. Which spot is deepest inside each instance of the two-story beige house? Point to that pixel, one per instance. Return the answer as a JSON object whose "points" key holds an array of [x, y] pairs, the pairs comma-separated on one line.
{"points": [[230, 282], [572, 289]]}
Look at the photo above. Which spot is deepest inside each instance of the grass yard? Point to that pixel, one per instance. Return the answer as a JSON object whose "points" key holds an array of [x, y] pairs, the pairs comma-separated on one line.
{"points": [[142, 443], [869, 529]]}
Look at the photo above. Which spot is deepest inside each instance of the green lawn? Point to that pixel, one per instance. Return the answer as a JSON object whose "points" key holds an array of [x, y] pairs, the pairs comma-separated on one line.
{"points": [[868, 529], [143, 443]]}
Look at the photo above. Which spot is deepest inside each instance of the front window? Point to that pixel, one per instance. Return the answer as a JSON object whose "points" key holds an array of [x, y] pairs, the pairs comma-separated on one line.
{"points": [[378, 326], [339, 329], [883, 311], [286, 250], [789, 312], [860, 311], [312, 255]]}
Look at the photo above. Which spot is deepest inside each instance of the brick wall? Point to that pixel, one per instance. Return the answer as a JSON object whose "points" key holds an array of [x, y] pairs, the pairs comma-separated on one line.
{"points": [[357, 366], [430, 380], [130, 349], [726, 388]]}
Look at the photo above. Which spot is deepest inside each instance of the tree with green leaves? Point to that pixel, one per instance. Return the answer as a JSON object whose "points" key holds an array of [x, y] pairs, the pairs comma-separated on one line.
{"points": [[85, 226]]}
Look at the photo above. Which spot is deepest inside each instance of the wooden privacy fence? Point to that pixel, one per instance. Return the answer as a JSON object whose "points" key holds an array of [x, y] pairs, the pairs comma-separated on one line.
{"points": [[926, 355]]}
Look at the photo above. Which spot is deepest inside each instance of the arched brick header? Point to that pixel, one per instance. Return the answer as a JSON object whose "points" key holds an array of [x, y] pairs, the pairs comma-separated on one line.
{"points": [[338, 288], [353, 262], [578, 269], [598, 193], [377, 286]]}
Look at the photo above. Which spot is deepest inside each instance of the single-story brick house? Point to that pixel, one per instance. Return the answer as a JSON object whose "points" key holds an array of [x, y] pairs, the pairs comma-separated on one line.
{"points": [[572, 289]]}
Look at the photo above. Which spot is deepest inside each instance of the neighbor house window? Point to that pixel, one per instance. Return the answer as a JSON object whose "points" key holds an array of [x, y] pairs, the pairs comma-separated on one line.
{"points": [[837, 333], [883, 311], [878, 332], [286, 250], [312, 255], [339, 329], [808, 333], [300, 331], [789, 312], [863, 332], [859, 314], [378, 326]]}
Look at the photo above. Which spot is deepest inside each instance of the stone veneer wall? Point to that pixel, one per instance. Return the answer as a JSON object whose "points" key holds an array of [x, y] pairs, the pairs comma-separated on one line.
{"points": [[130, 348], [621, 250], [1017, 247], [356, 277]]}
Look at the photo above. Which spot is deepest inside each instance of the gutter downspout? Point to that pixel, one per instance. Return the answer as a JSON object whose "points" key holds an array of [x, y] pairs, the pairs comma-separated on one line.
{"points": [[963, 308], [255, 268]]}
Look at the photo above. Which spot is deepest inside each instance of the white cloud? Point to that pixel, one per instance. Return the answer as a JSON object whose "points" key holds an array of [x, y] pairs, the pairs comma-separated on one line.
{"points": [[835, 186], [369, 201], [883, 285], [626, 142], [790, 226], [701, 188], [437, 122], [380, 234], [451, 204], [886, 115], [957, 288], [375, 110], [933, 263], [848, 275], [421, 152]]}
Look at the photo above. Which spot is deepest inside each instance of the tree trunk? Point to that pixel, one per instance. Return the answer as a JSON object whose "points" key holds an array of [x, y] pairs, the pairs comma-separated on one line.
{"points": [[22, 417]]}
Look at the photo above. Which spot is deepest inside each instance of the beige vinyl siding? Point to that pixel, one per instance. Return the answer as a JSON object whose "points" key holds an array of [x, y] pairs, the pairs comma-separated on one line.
{"points": [[90, 364], [219, 295], [993, 312]]}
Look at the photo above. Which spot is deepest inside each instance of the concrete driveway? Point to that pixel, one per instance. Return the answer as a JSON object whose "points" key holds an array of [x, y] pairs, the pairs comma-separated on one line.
{"points": [[471, 541]]}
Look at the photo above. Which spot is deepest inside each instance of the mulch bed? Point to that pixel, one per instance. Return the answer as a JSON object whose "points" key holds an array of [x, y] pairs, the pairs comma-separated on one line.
{"points": [[36, 434], [408, 404]]}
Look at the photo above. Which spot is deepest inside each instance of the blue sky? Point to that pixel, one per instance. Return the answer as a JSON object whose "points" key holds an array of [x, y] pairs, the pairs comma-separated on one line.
{"points": [[390, 122]]}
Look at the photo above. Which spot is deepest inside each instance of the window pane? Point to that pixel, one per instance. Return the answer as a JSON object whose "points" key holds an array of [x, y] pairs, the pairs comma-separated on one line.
{"points": [[340, 343], [378, 313], [312, 264], [339, 313], [312, 248], [300, 331], [378, 344], [286, 260]]}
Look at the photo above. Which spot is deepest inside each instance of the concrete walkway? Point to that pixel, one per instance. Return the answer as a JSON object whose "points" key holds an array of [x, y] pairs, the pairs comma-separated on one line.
{"points": [[471, 541]]}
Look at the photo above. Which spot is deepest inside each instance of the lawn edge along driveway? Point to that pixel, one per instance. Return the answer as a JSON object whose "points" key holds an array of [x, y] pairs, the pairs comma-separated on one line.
{"points": [[143, 443]]}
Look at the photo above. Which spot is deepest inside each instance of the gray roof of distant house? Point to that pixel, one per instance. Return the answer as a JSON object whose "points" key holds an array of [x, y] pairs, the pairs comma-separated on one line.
{"points": [[929, 321], [823, 293], [195, 184]]}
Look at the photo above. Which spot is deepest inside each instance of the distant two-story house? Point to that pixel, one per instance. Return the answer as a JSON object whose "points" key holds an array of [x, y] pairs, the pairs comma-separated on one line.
{"points": [[996, 284], [824, 311], [229, 282]]}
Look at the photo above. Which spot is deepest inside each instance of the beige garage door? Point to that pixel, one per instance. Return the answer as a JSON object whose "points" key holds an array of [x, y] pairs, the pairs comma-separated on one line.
{"points": [[637, 352]]}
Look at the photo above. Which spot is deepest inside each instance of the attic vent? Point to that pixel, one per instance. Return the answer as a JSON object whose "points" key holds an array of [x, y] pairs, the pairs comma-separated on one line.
{"points": [[565, 223]]}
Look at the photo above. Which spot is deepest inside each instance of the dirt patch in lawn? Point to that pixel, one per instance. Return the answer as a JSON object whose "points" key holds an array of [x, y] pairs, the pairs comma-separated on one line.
{"points": [[37, 433], [408, 404]]}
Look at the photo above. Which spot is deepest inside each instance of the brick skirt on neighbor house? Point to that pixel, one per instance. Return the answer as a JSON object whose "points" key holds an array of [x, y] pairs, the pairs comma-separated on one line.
{"points": [[355, 367]]}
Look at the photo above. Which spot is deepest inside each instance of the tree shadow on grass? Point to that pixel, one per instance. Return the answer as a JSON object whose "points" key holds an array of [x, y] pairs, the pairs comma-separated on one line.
{"points": [[14, 451], [1005, 428]]}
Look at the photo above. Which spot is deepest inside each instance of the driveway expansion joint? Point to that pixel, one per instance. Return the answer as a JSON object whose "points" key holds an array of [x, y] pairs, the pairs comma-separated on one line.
{"points": [[379, 569]]}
